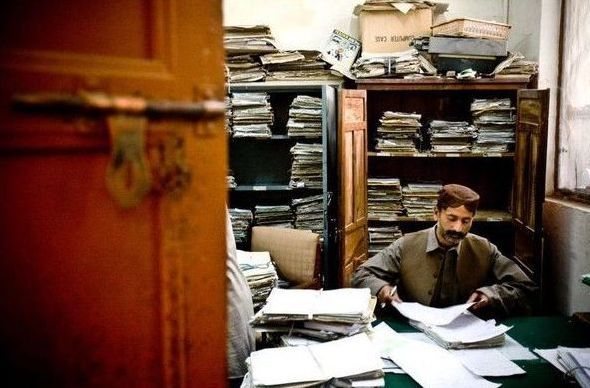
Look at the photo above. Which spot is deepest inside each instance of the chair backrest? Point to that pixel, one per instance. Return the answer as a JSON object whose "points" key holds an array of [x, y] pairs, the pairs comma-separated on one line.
{"points": [[295, 253]]}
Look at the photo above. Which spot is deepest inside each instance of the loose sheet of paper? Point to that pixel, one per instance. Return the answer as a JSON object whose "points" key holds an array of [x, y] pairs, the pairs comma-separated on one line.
{"points": [[487, 362], [515, 351], [443, 369], [431, 315]]}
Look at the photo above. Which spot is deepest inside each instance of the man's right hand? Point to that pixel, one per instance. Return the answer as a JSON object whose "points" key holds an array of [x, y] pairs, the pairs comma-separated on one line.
{"points": [[388, 294]]}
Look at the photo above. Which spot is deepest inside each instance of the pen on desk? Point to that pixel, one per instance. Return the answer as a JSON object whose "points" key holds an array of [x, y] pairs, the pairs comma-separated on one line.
{"points": [[391, 293]]}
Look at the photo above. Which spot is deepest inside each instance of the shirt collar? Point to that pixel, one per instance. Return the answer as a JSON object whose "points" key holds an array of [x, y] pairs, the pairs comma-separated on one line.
{"points": [[432, 242]]}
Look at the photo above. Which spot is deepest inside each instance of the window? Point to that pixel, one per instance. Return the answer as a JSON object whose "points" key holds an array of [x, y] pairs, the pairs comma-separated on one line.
{"points": [[573, 159]]}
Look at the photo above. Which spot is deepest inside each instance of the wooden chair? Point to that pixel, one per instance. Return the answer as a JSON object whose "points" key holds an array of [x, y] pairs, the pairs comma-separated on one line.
{"points": [[295, 253]]}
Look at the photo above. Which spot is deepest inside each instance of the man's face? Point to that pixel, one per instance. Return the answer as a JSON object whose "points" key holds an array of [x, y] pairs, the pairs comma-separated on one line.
{"points": [[453, 223]]}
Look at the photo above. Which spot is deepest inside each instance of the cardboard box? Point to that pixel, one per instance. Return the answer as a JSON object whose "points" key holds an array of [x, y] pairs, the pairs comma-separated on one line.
{"points": [[385, 29]]}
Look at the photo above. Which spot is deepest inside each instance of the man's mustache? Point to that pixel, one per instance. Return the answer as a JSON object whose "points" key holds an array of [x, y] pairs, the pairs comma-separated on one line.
{"points": [[454, 234]]}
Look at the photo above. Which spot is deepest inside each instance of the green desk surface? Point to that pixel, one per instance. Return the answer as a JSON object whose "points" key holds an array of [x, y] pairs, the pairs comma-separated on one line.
{"points": [[531, 332]]}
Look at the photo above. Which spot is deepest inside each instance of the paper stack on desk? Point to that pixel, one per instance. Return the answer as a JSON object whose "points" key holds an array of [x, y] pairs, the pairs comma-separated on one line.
{"points": [[260, 274], [351, 360], [317, 314], [454, 327]]}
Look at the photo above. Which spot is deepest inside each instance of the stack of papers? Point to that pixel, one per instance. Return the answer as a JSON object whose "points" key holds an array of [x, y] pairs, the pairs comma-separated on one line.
{"points": [[317, 314], [398, 132], [381, 237], [260, 274], [306, 170], [274, 215], [307, 65], [419, 199], [495, 120], [241, 220], [305, 117], [309, 213], [454, 327], [243, 46], [384, 198], [252, 115], [351, 360], [396, 64], [451, 136]]}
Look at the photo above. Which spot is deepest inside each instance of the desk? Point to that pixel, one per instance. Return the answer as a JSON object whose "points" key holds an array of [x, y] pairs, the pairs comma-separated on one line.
{"points": [[531, 332]]}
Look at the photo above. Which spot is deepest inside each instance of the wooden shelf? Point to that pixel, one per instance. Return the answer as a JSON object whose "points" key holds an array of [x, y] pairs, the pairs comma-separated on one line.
{"points": [[442, 154], [277, 86], [444, 84], [273, 137], [480, 216]]}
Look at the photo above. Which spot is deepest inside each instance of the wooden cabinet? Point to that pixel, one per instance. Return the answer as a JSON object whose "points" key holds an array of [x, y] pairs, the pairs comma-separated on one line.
{"points": [[509, 182], [262, 166]]}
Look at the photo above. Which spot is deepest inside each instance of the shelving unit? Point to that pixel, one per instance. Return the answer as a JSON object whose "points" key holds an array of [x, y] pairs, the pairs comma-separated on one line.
{"points": [[262, 167], [493, 175]]}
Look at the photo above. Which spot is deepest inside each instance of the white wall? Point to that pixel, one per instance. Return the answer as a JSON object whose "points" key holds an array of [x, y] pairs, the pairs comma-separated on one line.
{"points": [[307, 24]]}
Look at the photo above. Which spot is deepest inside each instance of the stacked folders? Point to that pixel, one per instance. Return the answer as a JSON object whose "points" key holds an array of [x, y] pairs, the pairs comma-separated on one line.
{"points": [[316, 314], [341, 317], [260, 274]]}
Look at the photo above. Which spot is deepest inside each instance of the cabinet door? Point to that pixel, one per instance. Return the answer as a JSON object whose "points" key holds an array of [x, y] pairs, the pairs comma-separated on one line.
{"points": [[529, 179], [92, 294], [352, 156]]}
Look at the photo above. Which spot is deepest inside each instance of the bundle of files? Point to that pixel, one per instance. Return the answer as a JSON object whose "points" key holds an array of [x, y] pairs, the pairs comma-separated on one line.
{"points": [[242, 46], [252, 115], [573, 362], [274, 215], [395, 64], [346, 362], [398, 132], [228, 115], [306, 170], [260, 273], [309, 213], [419, 199], [244, 68], [297, 65], [241, 220], [495, 121], [305, 117], [516, 64], [451, 136], [384, 198], [316, 314], [381, 237]]}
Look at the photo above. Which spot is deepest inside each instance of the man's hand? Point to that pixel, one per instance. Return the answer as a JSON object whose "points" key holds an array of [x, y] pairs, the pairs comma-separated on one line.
{"points": [[480, 300], [388, 294]]}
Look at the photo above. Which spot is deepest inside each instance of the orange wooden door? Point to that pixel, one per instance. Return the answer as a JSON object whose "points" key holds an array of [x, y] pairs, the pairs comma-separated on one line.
{"points": [[352, 157], [91, 294]]}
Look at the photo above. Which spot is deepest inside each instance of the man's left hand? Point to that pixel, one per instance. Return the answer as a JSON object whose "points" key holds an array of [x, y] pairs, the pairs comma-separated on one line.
{"points": [[480, 300]]}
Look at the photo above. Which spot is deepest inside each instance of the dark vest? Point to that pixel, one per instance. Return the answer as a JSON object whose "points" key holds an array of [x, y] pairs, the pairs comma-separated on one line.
{"points": [[419, 269]]}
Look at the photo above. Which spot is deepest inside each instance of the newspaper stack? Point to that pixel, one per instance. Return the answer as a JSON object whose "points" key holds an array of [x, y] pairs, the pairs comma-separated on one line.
{"points": [[228, 115], [396, 64], [305, 117], [317, 314], [382, 237], [495, 121], [275, 215], [231, 182], [398, 132], [260, 273], [309, 213], [384, 198], [419, 199], [242, 46], [241, 219], [252, 115], [451, 136], [307, 166], [297, 65]]}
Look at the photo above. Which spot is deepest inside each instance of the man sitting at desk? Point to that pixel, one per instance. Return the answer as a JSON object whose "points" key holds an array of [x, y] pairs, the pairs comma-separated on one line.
{"points": [[445, 265]]}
